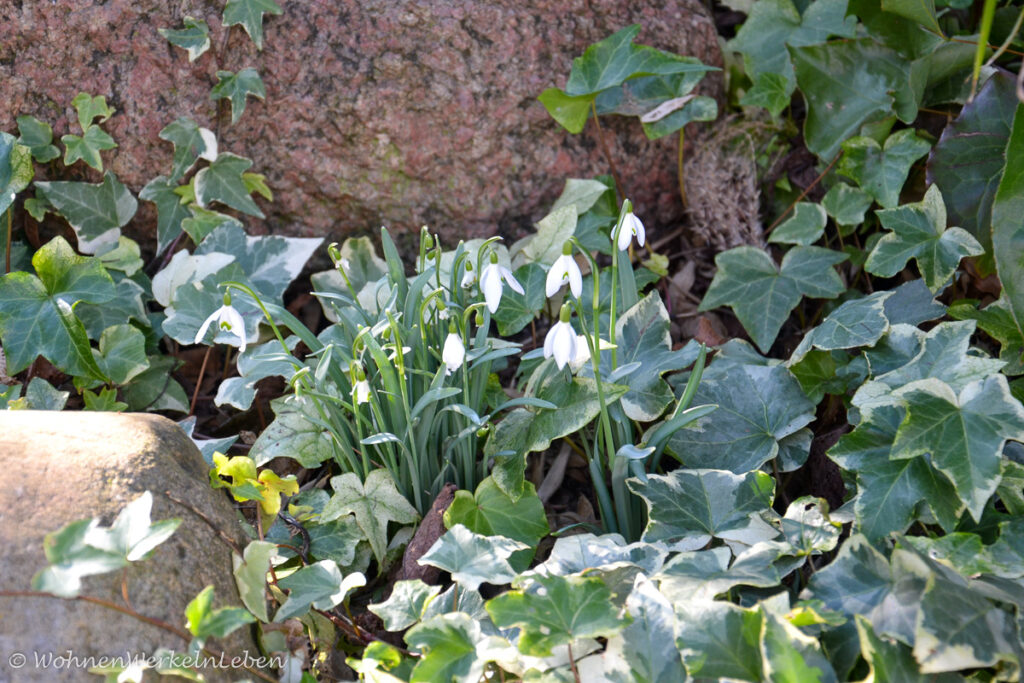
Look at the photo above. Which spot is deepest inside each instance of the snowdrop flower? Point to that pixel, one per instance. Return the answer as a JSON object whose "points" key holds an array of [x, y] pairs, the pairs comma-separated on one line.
{"points": [[361, 391], [490, 283], [631, 225], [582, 355], [561, 341], [227, 319], [563, 270], [469, 277], [454, 353]]}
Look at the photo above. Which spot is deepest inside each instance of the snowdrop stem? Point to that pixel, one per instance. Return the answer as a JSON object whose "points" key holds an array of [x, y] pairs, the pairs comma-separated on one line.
{"points": [[482, 252], [624, 210]]}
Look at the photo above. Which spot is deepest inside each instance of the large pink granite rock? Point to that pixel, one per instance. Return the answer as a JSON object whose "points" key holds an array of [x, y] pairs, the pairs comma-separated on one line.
{"points": [[377, 111]]}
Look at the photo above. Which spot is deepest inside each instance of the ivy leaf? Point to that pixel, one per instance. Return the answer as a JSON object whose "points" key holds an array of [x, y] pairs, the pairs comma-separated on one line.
{"points": [[773, 24], [758, 406], [270, 262], [236, 87], [203, 222], [889, 492], [40, 395], [374, 503], [36, 316], [556, 610], [889, 660], [37, 136], [203, 622], [998, 321], [87, 147], [405, 605], [762, 295], [790, 655], [254, 364], [127, 304], [170, 211], [518, 310], [921, 11], [967, 163], [919, 231], [318, 585], [805, 226], [770, 91], [89, 108], [964, 434], [552, 232], [16, 170], [693, 506], [156, 389], [222, 182], [807, 528], [85, 548], [448, 647], [191, 143], [847, 84], [473, 559], [719, 640], [1007, 235], [96, 212], [194, 37], [249, 13], [570, 112], [491, 512], [882, 171], [250, 570], [912, 304], [294, 434], [615, 59], [846, 204], [642, 334], [860, 322], [122, 353]]}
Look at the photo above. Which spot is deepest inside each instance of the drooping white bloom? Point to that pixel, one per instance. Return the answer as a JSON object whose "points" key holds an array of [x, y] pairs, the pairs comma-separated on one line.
{"points": [[631, 226], [361, 391], [564, 270], [228, 319], [490, 283], [469, 277], [582, 355], [561, 342], [454, 353]]}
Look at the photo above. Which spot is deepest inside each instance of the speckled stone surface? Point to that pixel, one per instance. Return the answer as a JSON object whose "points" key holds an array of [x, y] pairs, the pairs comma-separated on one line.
{"points": [[377, 111], [62, 467]]}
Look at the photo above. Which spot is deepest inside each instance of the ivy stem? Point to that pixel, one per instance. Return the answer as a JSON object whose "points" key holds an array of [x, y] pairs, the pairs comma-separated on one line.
{"points": [[7, 254], [199, 381], [803, 194], [572, 665], [604, 150], [152, 621], [679, 168]]}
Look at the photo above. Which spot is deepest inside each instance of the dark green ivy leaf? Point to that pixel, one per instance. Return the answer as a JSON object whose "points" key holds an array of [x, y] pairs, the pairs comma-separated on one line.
{"points": [[236, 87]]}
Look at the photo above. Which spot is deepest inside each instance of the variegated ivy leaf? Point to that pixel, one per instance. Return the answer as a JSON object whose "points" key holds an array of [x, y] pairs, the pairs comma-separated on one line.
{"points": [[16, 170], [96, 212], [254, 364], [758, 406], [184, 268], [249, 13], [882, 171], [38, 136], [453, 648], [222, 182], [89, 108], [998, 321], [294, 434], [122, 353], [191, 143], [552, 232], [194, 37], [846, 204], [236, 88], [719, 640], [85, 548], [790, 654], [860, 322], [203, 622], [762, 294], [807, 527], [318, 585], [692, 506], [36, 316], [805, 226], [404, 607], [270, 262], [556, 610], [964, 434], [890, 492], [473, 559], [363, 268], [374, 503], [919, 232], [647, 645], [87, 147]]}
